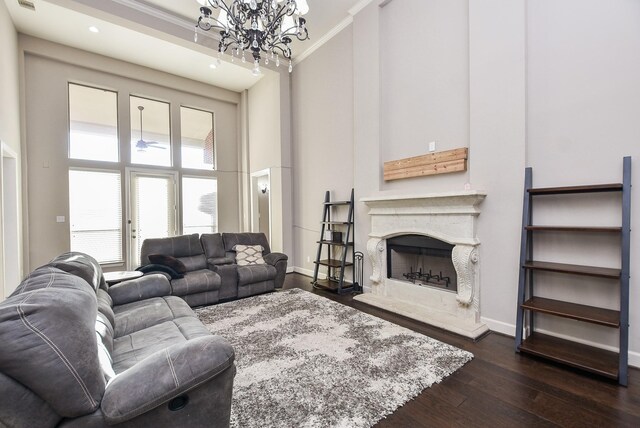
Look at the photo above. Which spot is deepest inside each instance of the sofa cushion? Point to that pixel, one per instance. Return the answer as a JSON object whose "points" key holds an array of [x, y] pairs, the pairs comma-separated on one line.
{"points": [[232, 239], [248, 255], [176, 246], [104, 329], [135, 347], [82, 265], [170, 261], [194, 262], [196, 282], [49, 333], [255, 273], [105, 306], [142, 314], [212, 244]]}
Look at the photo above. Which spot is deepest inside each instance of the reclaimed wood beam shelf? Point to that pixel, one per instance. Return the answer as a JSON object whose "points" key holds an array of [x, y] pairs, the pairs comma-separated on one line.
{"points": [[430, 164], [596, 360]]}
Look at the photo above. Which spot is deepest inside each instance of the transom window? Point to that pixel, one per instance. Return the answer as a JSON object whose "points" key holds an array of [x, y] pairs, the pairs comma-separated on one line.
{"points": [[150, 132], [198, 145], [93, 124]]}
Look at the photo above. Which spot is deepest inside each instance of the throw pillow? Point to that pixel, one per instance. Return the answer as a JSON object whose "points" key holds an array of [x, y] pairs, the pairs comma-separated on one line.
{"points": [[172, 262], [248, 254]]}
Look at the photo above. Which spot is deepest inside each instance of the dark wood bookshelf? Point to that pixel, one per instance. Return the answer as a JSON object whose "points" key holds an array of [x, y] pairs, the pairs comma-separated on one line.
{"points": [[605, 229], [572, 352], [595, 188], [583, 357], [333, 263], [335, 243], [336, 203], [591, 314], [601, 272]]}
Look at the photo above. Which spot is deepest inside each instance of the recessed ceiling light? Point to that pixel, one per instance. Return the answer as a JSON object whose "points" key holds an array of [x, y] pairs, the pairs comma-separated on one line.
{"points": [[94, 29], [213, 65]]}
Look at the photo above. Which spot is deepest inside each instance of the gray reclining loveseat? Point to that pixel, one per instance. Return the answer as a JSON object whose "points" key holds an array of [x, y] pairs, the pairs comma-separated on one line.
{"points": [[210, 271], [75, 353]]}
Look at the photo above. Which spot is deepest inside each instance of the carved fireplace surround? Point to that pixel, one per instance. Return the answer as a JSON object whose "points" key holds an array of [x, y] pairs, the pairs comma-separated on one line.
{"points": [[450, 217]]}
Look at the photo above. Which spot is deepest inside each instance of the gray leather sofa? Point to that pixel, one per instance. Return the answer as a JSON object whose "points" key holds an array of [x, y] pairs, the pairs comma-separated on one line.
{"points": [[75, 353], [242, 281], [212, 273], [198, 286]]}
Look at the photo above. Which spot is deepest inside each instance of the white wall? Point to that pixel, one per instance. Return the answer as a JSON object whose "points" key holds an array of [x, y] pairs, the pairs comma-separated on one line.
{"points": [[323, 157], [550, 84], [583, 105], [10, 125], [48, 69], [269, 149], [424, 84]]}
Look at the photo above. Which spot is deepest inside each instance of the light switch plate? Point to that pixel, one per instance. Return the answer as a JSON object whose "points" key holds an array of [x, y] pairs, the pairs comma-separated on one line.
{"points": [[60, 219]]}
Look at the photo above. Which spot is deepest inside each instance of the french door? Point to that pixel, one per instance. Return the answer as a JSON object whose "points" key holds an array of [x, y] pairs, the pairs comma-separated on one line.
{"points": [[152, 211]]}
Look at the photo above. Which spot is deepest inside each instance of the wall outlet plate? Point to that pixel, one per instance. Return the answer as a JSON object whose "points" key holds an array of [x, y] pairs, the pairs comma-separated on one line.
{"points": [[432, 146]]}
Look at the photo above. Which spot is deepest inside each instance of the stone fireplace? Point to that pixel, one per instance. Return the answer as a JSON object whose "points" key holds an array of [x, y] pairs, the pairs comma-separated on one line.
{"points": [[442, 226]]}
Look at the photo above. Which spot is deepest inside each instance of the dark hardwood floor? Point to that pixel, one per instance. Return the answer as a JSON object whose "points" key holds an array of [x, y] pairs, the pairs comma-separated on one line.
{"points": [[500, 388]]}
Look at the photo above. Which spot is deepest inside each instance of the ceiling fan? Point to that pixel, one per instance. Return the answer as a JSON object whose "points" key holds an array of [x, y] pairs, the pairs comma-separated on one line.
{"points": [[142, 145]]}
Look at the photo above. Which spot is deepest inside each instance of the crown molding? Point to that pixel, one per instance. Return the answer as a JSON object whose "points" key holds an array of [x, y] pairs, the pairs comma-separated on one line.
{"points": [[333, 32], [159, 13]]}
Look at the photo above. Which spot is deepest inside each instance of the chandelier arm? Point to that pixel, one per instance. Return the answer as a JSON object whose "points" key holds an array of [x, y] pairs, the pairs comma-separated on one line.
{"points": [[279, 15]]}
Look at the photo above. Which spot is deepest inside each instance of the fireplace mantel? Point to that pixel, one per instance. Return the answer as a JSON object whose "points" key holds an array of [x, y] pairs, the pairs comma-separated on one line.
{"points": [[450, 217]]}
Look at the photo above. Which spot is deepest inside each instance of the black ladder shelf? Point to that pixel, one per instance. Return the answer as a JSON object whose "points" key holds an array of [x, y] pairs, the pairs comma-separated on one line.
{"points": [[612, 365], [335, 263]]}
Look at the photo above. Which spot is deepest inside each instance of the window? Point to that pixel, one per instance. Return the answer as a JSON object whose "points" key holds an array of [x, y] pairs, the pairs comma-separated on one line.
{"points": [[197, 139], [150, 132], [93, 124], [95, 214], [199, 205]]}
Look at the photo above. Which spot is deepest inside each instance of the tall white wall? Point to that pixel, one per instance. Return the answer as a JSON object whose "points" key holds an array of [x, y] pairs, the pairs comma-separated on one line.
{"points": [[550, 84], [9, 120], [583, 105], [323, 155], [269, 123]]}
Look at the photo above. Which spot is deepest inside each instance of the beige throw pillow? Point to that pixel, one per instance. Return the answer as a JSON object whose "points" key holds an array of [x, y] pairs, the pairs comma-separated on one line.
{"points": [[248, 255]]}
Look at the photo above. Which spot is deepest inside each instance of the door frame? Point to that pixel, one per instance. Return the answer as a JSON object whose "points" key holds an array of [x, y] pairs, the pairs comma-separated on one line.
{"points": [[255, 220], [10, 258], [129, 171]]}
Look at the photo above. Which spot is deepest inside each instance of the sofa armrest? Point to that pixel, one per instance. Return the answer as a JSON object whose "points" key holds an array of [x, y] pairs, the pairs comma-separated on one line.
{"points": [[273, 258], [165, 375], [163, 269], [146, 287], [279, 261]]}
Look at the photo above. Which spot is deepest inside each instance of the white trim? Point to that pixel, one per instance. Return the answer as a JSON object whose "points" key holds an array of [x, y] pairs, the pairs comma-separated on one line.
{"points": [[308, 272], [331, 33], [361, 5], [499, 326], [324, 39], [510, 329], [290, 269], [167, 16]]}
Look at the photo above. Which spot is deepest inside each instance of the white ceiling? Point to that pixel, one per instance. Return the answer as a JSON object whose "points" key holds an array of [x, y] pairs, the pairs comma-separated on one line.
{"points": [[163, 41]]}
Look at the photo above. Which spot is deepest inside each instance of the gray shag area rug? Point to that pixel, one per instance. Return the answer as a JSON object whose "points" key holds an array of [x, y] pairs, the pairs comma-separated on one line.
{"points": [[306, 361]]}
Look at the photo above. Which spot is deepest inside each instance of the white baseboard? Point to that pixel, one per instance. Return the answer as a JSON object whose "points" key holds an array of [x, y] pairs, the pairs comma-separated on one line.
{"points": [[510, 330], [499, 326], [308, 272], [290, 269]]}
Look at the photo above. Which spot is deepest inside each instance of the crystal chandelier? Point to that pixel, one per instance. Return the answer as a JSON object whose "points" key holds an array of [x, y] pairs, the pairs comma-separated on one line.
{"points": [[261, 26]]}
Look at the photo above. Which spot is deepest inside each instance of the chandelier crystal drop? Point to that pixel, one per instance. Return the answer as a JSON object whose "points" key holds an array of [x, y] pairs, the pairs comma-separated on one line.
{"points": [[259, 26]]}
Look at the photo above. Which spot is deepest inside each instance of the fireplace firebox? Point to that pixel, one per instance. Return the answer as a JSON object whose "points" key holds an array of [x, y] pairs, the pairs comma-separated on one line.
{"points": [[421, 260]]}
